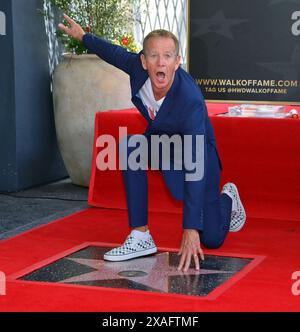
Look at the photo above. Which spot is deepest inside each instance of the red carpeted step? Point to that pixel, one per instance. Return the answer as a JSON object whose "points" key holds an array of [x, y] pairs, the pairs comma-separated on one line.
{"points": [[261, 156]]}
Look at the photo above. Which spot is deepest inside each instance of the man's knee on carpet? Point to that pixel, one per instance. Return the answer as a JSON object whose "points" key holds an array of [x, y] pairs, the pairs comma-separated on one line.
{"points": [[210, 242]]}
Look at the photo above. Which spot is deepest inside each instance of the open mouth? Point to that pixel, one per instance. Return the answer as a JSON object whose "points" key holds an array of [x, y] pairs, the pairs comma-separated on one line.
{"points": [[161, 76]]}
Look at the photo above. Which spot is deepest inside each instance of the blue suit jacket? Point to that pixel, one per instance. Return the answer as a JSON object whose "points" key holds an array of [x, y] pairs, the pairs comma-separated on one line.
{"points": [[183, 112]]}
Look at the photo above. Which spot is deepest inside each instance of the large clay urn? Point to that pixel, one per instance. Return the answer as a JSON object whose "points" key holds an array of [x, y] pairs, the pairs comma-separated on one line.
{"points": [[82, 86]]}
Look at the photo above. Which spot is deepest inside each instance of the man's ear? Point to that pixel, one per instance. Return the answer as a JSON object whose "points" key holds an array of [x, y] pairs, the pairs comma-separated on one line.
{"points": [[143, 59], [178, 61]]}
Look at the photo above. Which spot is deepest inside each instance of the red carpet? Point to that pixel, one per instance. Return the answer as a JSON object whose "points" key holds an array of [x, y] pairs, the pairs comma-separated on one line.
{"points": [[260, 155], [267, 287]]}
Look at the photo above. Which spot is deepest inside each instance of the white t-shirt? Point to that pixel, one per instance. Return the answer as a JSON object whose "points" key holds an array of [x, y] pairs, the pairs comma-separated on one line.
{"points": [[147, 97]]}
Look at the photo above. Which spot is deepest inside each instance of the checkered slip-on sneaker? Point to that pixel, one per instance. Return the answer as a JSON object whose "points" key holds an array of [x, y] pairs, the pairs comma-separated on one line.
{"points": [[238, 215], [132, 248]]}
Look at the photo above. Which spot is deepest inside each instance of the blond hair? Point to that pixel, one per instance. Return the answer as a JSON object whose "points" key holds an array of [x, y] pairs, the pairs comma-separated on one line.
{"points": [[161, 33]]}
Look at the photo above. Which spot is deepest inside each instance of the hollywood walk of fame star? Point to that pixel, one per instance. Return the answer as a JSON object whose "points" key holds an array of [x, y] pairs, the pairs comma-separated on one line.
{"points": [[289, 70], [152, 272], [218, 24]]}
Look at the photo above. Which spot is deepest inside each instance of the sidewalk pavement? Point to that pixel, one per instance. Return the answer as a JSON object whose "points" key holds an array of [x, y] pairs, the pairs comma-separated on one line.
{"points": [[33, 207]]}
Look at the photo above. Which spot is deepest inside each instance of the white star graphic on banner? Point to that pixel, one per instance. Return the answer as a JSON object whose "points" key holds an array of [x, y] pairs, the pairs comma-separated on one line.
{"points": [[288, 69], [218, 24], [153, 271]]}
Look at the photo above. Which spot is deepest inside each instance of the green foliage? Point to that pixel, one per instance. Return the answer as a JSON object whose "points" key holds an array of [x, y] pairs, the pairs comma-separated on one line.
{"points": [[110, 19]]}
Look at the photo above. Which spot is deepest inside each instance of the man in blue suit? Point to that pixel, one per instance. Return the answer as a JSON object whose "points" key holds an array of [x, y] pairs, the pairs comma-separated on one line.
{"points": [[172, 103]]}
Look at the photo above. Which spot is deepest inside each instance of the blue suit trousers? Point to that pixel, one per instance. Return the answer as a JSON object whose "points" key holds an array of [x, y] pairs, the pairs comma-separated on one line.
{"points": [[217, 208]]}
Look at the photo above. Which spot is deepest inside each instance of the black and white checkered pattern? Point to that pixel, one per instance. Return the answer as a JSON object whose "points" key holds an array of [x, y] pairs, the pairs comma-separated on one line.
{"points": [[133, 247], [238, 215]]}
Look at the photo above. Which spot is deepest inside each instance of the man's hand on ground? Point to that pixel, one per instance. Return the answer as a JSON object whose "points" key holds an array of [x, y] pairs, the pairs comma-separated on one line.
{"points": [[74, 30], [190, 248]]}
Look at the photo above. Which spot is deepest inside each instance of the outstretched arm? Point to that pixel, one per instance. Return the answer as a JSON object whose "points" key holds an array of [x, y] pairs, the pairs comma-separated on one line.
{"points": [[113, 54], [74, 30], [194, 128]]}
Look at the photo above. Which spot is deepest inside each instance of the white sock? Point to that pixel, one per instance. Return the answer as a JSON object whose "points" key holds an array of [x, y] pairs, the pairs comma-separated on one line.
{"points": [[139, 234]]}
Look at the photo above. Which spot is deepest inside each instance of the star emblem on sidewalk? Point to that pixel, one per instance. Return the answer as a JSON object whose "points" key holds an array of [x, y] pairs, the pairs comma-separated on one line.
{"points": [[218, 24], [153, 272]]}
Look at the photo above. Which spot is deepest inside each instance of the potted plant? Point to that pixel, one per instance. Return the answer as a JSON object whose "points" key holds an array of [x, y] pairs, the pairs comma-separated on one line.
{"points": [[83, 84]]}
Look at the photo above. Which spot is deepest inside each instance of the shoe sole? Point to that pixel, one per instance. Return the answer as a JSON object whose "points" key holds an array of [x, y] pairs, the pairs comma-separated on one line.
{"points": [[240, 206], [115, 258]]}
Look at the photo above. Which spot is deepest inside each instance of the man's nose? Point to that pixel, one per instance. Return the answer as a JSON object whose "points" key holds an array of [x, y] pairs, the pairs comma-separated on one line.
{"points": [[161, 61]]}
